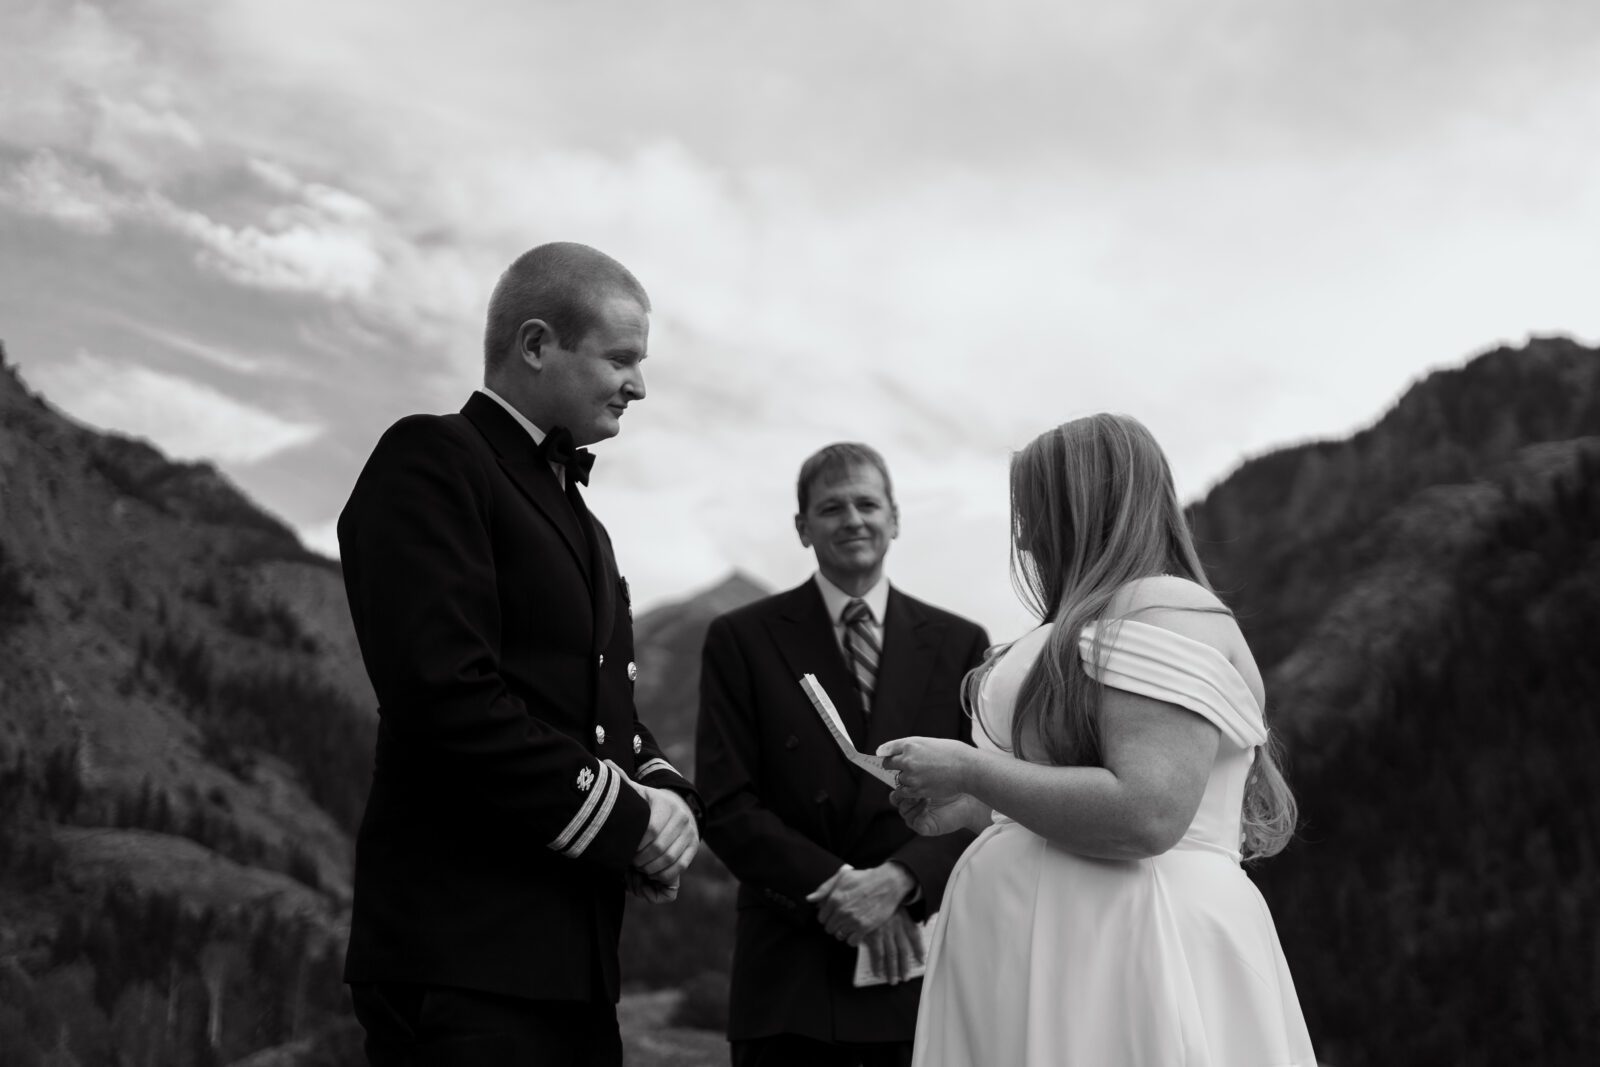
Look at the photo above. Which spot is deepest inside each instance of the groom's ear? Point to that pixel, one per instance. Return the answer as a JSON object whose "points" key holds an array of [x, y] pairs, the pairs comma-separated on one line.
{"points": [[800, 528], [532, 337]]}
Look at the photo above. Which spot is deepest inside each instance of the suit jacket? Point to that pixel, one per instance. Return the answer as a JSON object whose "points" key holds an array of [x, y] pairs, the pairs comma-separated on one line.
{"points": [[499, 639], [784, 808]]}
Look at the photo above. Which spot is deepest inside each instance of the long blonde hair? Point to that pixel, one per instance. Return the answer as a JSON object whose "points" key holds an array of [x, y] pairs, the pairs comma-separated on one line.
{"points": [[1093, 507]]}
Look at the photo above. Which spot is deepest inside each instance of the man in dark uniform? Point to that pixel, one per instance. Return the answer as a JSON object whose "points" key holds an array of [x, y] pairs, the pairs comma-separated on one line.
{"points": [[827, 868], [515, 794]]}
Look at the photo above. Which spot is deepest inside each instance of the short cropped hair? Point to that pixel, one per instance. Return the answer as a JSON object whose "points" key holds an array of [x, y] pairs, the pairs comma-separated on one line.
{"points": [[562, 283], [837, 459]]}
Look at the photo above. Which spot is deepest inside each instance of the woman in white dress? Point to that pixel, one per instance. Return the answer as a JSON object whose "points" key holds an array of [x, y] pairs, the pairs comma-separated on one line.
{"points": [[1122, 771]]}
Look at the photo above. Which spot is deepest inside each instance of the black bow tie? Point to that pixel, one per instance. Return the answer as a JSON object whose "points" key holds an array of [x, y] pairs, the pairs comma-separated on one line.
{"points": [[557, 447]]}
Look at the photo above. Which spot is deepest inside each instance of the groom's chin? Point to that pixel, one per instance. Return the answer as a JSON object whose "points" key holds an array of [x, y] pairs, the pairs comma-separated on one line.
{"points": [[602, 429]]}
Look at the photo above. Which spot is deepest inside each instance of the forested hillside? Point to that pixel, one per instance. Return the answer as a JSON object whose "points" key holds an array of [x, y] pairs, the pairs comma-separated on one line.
{"points": [[185, 739], [1426, 595]]}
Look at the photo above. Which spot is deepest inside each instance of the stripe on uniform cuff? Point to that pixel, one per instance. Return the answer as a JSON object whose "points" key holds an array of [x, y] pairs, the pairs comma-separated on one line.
{"points": [[604, 776], [657, 764], [613, 785]]}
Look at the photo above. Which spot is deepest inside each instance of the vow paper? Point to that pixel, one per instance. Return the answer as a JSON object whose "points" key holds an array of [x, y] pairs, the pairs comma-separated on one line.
{"points": [[829, 714]]}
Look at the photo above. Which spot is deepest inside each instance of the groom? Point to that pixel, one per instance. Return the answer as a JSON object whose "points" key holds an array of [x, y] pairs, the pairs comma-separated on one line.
{"points": [[514, 794], [824, 861]]}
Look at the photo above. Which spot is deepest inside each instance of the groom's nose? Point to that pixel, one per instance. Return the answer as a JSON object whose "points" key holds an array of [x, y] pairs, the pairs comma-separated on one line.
{"points": [[633, 384]]}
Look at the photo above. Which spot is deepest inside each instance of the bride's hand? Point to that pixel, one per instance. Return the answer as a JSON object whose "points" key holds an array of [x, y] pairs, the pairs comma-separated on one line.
{"points": [[930, 818], [934, 768]]}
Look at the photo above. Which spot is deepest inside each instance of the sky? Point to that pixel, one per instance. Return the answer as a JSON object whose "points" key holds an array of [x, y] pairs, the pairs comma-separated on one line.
{"points": [[257, 234]]}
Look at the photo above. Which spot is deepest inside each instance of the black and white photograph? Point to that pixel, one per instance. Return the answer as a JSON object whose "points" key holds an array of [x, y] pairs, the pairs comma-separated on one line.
{"points": [[843, 533]]}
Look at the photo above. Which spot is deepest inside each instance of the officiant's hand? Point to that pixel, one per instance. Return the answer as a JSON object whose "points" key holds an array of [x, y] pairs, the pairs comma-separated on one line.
{"points": [[895, 947], [853, 903], [933, 767]]}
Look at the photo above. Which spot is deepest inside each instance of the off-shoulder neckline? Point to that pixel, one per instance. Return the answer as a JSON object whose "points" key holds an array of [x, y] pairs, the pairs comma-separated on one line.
{"points": [[1207, 649]]}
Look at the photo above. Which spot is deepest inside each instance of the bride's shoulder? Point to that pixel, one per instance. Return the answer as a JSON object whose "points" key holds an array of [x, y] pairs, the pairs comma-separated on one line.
{"points": [[1178, 604], [1167, 590]]}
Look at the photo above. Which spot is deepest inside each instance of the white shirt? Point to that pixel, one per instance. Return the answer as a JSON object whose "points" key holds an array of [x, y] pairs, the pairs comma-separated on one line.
{"points": [[835, 599], [533, 431]]}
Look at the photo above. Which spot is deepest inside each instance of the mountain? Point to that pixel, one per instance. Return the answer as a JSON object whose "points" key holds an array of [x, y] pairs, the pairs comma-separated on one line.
{"points": [[1281, 535], [668, 653], [185, 741], [1425, 596]]}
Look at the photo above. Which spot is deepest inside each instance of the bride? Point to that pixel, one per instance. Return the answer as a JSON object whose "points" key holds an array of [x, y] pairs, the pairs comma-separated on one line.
{"points": [[1122, 771]]}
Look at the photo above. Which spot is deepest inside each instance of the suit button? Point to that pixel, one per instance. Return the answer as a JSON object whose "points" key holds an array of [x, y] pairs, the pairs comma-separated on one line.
{"points": [[637, 744], [633, 671], [602, 659], [600, 735], [791, 742], [822, 795]]}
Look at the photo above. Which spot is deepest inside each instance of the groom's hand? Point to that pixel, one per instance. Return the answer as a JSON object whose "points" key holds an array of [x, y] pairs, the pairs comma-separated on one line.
{"points": [[649, 889], [858, 902], [670, 839]]}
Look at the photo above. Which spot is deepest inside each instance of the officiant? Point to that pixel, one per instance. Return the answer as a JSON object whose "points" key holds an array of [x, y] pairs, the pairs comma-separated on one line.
{"points": [[830, 876]]}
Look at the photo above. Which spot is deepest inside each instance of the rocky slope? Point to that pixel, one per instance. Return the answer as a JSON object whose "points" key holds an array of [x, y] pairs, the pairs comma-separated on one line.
{"points": [[1425, 595], [669, 640], [184, 741], [1282, 534]]}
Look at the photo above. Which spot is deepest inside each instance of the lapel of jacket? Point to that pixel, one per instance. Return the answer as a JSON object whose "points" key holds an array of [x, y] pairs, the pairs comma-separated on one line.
{"points": [[805, 638], [531, 475], [909, 650], [604, 589]]}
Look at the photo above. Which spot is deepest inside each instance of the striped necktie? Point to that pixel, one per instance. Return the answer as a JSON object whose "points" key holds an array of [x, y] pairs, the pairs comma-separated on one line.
{"points": [[861, 648]]}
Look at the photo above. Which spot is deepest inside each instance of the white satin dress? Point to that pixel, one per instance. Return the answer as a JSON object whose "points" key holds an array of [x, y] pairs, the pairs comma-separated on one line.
{"points": [[1042, 957]]}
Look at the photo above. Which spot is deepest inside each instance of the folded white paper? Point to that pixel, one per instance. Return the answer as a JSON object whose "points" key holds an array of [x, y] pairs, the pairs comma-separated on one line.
{"points": [[866, 976], [829, 714]]}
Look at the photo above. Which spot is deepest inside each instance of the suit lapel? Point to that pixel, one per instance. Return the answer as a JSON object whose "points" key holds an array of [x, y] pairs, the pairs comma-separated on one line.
{"points": [[604, 587], [805, 638], [531, 475], [909, 650]]}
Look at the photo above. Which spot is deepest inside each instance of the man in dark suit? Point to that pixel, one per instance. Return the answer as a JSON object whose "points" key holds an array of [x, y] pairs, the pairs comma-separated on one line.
{"points": [[515, 794], [824, 861]]}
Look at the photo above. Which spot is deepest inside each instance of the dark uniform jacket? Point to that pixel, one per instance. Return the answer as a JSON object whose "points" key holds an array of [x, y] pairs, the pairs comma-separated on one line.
{"points": [[499, 639], [784, 809]]}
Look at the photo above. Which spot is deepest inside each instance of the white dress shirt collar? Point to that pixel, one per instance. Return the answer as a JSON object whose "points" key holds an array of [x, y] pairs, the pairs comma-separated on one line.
{"points": [[533, 431], [877, 599], [522, 420]]}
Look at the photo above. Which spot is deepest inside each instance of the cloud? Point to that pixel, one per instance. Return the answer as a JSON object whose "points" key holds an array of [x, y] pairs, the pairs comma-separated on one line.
{"points": [[84, 81], [49, 188], [310, 239], [310, 246], [182, 417], [216, 355], [924, 223]]}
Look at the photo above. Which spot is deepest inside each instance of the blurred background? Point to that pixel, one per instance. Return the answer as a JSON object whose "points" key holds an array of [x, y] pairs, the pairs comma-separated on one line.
{"points": [[1342, 257]]}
